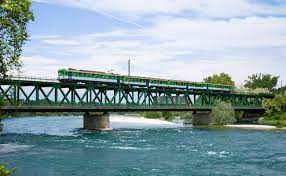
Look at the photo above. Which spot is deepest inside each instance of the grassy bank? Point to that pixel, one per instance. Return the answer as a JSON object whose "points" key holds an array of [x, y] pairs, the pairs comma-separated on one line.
{"points": [[167, 115], [277, 123]]}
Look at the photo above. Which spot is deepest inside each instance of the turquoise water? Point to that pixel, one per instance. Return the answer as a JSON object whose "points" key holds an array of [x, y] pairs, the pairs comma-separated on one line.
{"points": [[55, 146]]}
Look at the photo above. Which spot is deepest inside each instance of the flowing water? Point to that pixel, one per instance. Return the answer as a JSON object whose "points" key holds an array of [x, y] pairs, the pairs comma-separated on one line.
{"points": [[56, 146]]}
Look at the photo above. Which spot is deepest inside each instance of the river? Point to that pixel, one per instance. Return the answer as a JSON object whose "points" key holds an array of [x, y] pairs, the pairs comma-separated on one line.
{"points": [[56, 146]]}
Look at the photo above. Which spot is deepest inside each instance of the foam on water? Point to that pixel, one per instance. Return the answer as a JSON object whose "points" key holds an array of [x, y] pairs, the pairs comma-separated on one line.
{"points": [[13, 147], [129, 148]]}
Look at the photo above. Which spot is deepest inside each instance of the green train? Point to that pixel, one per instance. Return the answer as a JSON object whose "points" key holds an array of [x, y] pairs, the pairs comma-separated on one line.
{"points": [[73, 75]]}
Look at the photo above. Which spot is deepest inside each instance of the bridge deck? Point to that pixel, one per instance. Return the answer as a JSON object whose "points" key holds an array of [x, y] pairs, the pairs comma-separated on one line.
{"points": [[110, 109]]}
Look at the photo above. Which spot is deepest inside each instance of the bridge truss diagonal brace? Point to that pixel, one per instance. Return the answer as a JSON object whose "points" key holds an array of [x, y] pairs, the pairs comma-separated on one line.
{"points": [[17, 93]]}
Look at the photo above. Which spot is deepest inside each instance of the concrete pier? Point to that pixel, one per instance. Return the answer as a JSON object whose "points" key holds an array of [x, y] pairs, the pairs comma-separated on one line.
{"points": [[201, 118], [98, 122]]}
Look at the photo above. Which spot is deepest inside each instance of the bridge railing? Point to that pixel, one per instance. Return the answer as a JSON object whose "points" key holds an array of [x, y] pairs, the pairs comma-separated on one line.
{"points": [[31, 78]]}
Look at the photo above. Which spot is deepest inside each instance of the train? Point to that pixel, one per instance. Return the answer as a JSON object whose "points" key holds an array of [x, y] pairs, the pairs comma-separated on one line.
{"points": [[87, 76]]}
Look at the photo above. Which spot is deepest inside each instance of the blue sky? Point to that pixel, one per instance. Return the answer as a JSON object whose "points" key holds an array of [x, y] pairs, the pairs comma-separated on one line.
{"points": [[176, 39]]}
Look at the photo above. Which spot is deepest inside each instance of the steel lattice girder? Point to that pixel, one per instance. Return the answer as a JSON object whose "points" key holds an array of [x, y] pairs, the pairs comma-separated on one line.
{"points": [[36, 93]]}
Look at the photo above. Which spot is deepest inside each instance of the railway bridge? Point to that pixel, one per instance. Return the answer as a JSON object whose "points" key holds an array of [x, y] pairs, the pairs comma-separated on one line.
{"points": [[22, 94]]}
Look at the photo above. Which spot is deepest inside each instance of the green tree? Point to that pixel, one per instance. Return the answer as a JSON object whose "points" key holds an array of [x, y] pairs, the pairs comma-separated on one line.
{"points": [[187, 115], [152, 114], [280, 90], [14, 17], [221, 78], [6, 172], [275, 108], [223, 113], [266, 81], [167, 115]]}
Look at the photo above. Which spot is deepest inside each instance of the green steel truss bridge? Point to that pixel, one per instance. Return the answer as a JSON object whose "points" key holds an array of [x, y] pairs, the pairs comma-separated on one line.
{"points": [[21, 94]]}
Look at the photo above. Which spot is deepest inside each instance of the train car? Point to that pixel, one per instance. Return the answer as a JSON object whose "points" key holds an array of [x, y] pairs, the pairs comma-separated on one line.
{"points": [[73, 75]]}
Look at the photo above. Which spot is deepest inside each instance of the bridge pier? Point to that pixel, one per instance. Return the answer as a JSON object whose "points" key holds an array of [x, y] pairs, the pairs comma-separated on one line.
{"points": [[201, 118], [97, 122]]}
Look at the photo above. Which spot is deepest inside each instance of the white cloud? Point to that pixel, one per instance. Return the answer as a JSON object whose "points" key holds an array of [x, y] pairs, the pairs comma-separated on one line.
{"points": [[39, 66], [220, 34], [60, 42], [172, 46], [208, 8], [184, 49]]}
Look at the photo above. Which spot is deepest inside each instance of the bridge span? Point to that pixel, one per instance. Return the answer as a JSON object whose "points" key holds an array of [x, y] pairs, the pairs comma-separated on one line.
{"points": [[21, 94]]}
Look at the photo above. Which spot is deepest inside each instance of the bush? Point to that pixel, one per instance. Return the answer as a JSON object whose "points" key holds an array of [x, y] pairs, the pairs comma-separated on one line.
{"points": [[223, 113], [5, 172], [275, 108], [277, 123], [167, 115], [187, 115], [152, 115]]}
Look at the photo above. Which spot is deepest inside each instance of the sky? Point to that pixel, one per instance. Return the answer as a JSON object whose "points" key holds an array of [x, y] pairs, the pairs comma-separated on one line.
{"points": [[174, 39]]}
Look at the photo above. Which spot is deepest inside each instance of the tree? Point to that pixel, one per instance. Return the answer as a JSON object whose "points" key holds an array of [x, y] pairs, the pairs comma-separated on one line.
{"points": [[187, 115], [223, 113], [266, 81], [167, 115], [280, 90], [221, 78], [152, 115], [275, 108], [6, 172], [14, 17]]}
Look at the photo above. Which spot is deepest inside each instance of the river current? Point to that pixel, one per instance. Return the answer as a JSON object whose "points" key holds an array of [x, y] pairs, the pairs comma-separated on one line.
{"points": [[56, 146]]}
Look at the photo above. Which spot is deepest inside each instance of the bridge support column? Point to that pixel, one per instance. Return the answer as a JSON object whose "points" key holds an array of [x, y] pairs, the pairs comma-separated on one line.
{"points": [[201, 118], [98, 122]]}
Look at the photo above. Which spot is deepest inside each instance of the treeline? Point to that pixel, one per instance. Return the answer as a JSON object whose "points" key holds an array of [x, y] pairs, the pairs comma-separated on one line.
{"points": [[256, 83], [167, 115], [275, 109], [223, 113]]}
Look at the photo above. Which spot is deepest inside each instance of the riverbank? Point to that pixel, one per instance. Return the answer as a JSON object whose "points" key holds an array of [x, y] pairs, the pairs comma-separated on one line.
{"points": [[138, 119], [252, 126]]}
